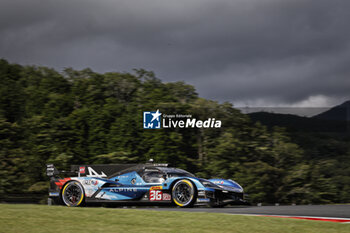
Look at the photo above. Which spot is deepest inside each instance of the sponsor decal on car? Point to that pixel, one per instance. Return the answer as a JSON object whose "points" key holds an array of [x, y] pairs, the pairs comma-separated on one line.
{"points": [[218, 182], [94, 182], [54, 194], [82, 170], [203, 200], [166, 197], [117, 190], [156, 187], [91, 182]]}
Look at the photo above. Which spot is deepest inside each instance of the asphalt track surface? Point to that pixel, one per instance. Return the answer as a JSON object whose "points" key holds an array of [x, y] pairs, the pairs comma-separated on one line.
{"points": [[336, 211]]}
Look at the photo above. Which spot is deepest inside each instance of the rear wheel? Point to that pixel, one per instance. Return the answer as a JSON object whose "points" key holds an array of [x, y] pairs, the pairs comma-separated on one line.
{"points": [[73, 194], [184, 193]]}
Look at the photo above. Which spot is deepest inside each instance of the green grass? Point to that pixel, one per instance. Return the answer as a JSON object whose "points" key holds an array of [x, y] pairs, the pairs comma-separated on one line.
{"points": [[41, 218]]}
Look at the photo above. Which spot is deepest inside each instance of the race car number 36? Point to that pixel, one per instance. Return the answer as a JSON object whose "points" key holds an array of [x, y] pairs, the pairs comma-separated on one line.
{"points": [[155, 195]]}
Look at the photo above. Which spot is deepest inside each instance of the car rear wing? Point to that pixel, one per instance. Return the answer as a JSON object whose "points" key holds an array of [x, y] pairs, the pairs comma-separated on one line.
{"points": [[51, 171]]}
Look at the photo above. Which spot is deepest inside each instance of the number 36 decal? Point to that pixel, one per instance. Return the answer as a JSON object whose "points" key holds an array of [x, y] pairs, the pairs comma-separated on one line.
{"points": [[155, 195]]}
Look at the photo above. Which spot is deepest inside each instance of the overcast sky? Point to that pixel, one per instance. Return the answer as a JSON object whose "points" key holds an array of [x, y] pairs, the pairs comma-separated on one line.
{"points": [[248, 52]]}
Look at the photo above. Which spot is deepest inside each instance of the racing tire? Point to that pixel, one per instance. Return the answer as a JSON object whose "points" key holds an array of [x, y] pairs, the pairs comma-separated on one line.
{"points": [[73, 194], [184, 193]]}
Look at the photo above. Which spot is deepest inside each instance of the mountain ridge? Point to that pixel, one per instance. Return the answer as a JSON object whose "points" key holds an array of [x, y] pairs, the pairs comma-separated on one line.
{"points": [[336, 119], [337, 113]]}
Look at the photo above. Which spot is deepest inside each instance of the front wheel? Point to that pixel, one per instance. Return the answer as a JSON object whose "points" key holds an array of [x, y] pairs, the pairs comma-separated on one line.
{"points": [[73, 194], [184, 193]]}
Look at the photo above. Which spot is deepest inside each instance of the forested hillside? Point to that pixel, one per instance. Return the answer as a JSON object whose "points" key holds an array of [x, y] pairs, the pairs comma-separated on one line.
{"points": [[79, 117]]}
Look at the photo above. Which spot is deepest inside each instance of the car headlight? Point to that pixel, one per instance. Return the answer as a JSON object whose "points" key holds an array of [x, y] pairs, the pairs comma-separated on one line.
{"points": [[207, 184]]}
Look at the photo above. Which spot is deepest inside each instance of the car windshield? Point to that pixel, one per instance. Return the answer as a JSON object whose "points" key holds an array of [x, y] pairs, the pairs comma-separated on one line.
{"points": [[175, 172], [153, 176]]}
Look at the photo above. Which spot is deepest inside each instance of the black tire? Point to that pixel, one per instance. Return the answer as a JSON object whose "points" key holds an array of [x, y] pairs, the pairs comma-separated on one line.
{"points": [[184, 193], [73, 194]]}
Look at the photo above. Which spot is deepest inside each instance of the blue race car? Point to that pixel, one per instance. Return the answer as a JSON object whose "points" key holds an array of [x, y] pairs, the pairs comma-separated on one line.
{"points": [[139, 183]]}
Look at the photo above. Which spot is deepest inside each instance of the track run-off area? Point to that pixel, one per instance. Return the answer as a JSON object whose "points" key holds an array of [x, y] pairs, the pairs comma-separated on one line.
{"points": [[332, 213]]}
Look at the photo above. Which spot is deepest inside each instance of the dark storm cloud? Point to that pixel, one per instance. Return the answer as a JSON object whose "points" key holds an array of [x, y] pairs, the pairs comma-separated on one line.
{"points": [[244, 51]]}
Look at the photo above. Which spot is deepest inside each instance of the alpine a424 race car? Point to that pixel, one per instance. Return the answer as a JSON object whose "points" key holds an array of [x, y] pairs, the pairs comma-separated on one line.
{"points": [[139, 183]]}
